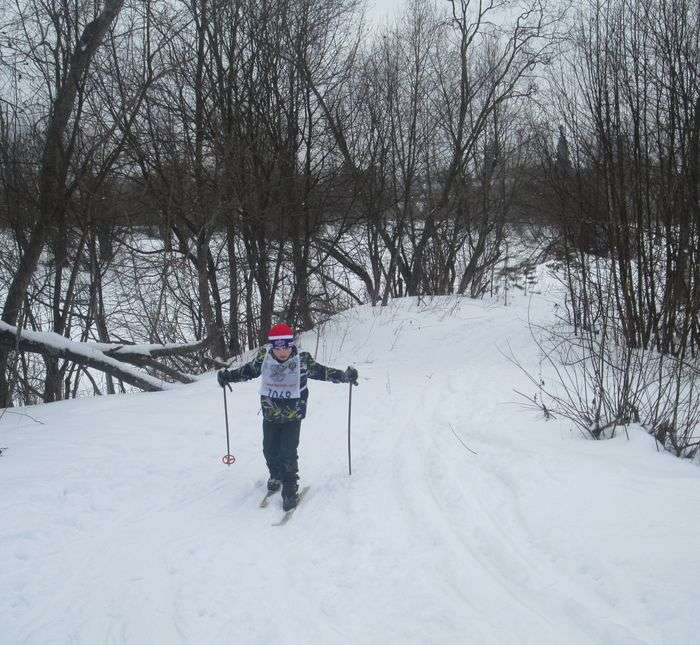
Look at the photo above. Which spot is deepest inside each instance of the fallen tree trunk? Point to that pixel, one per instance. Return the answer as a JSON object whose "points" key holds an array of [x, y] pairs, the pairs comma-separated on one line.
{"points": [[145, 355], [126, 350], [141, 360], [118, 360]]}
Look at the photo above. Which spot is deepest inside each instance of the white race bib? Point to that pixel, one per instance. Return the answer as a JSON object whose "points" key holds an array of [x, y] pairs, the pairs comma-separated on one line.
{"points": [[280, 380]]}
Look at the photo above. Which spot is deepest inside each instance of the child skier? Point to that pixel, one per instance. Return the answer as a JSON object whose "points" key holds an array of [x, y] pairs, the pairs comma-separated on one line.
{"points": [[283, 398]]}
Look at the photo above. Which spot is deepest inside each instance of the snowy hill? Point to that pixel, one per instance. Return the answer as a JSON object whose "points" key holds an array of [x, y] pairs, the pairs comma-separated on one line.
{"points": [[120, 524]]}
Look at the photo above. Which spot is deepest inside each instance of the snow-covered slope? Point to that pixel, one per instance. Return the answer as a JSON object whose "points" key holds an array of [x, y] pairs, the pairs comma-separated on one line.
{"points": [[120, 524]]}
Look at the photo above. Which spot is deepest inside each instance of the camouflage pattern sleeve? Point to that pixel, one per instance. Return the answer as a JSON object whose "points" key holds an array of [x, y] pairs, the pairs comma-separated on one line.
{"points": [[323, 373], [249, 370]]}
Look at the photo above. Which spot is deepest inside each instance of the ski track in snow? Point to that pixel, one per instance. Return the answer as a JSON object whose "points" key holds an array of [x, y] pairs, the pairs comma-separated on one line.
{"points": [[121, 525]]}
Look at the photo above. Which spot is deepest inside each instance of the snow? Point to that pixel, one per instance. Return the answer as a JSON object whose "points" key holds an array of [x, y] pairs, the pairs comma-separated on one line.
{"points": [[120, 524], [49, 338], [141, 349]]}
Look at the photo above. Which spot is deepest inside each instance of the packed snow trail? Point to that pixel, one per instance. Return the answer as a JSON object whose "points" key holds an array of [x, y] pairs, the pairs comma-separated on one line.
{"points": [[119, 523]]}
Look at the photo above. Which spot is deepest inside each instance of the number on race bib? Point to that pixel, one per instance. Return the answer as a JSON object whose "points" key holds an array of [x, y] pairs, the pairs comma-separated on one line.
{"points": [[279, 394]]}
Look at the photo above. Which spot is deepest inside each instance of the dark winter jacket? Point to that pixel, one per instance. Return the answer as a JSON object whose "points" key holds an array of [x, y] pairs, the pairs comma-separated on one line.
{"points": [[281, 410]]}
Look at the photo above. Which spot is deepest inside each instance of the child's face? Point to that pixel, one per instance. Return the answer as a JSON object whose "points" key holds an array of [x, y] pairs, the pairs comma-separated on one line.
{"points": [[282, 353]]}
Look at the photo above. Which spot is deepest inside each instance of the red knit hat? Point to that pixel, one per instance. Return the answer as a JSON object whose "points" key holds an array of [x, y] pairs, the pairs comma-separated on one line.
{"points": [[280, 331]]}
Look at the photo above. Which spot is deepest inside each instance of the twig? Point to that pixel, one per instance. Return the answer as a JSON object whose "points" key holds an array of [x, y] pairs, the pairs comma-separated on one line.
{"points": [[22, 414], [460, 440], [540, 405]]}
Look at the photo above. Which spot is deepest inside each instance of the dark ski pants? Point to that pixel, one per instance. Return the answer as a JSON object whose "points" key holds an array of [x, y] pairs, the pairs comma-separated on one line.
{"points": [[280, 443]]}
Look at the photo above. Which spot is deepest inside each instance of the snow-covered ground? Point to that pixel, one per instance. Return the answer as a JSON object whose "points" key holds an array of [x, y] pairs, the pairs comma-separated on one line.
{"points": [[120, 524]]}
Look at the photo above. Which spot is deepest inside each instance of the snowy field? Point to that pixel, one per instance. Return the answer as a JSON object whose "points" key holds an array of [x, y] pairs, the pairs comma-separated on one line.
{"points": [[120, 524]]}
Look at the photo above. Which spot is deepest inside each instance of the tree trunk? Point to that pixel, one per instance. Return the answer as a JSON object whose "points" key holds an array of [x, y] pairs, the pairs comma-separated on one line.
{"points": [[52, 173]]}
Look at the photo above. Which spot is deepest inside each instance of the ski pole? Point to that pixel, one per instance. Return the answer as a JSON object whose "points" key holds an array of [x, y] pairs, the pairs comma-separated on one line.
{"points": [[228, 458], [349, 417]]}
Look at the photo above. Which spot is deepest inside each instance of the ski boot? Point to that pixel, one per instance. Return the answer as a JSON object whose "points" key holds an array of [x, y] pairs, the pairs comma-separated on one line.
{"points": [[288, 503], [273, 485], [290, 495]]}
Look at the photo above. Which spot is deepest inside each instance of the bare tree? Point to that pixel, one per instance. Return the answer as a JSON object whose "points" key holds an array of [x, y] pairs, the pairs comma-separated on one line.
{"points": [[54, 164]]}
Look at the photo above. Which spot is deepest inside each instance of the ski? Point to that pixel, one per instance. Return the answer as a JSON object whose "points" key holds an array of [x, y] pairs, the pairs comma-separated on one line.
{"points": [[288, 514], [266, 500]]}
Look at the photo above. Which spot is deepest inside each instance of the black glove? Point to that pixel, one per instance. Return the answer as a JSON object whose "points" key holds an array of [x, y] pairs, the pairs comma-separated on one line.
{"points": [[351, 375], [223, 377]]}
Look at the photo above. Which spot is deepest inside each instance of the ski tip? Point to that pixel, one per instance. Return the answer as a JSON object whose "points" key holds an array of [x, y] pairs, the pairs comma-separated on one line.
{"points": [[288, 514]]}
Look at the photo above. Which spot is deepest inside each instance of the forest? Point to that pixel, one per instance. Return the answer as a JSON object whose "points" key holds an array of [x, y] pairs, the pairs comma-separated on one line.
{"points": [[177, 175]]}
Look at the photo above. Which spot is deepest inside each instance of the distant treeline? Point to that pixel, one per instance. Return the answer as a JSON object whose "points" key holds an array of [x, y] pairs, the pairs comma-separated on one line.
{"points": [[293, 161]]}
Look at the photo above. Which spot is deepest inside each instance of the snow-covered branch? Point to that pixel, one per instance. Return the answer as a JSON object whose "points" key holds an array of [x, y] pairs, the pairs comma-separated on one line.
{"points": [[118, 360]]}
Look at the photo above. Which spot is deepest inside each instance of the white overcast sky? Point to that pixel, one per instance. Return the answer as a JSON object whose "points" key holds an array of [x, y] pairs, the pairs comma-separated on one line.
{"points": [[379, 10]]}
